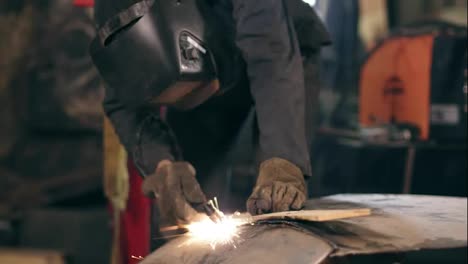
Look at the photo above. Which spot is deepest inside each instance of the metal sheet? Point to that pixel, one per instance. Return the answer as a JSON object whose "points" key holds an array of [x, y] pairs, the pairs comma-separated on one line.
{"points": [[400, 223]]}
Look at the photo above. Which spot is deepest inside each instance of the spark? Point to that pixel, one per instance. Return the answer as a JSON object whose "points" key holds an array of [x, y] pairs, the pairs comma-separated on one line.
{"points": [[225, 232], [137, 257]]}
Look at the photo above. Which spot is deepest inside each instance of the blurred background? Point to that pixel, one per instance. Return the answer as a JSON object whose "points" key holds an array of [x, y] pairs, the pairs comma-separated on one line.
{"points": [[393, 117]]}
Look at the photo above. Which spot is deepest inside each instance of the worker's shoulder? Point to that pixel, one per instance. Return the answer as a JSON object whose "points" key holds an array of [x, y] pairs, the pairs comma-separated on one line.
{"points": [[309, 27]]}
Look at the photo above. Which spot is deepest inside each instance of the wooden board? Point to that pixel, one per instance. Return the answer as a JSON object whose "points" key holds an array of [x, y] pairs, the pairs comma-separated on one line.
{"points": [[305, 215], [15, 256], [315, 215]]}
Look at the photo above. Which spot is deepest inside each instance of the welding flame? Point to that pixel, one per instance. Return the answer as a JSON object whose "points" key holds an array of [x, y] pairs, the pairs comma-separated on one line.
{"points": [[224, 232]]}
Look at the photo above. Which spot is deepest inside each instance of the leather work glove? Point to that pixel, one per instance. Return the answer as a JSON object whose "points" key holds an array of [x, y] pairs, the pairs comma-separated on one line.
{"points": [[177, 192], [280, 187]]}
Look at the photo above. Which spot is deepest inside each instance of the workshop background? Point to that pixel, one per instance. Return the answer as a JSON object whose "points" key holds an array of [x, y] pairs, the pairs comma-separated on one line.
{"points": [[393, 118]]}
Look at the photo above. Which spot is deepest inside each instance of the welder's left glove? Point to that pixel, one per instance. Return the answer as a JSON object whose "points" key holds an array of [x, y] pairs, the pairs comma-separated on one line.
{"points": [[280, 187]]}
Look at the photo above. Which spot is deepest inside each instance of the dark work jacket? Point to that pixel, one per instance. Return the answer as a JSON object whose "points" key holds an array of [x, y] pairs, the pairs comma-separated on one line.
{"points": [[266, 32]]}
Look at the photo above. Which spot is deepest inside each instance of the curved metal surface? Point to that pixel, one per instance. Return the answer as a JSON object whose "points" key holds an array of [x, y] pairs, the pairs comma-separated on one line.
{"points": [[399, 223], [257, 244]]}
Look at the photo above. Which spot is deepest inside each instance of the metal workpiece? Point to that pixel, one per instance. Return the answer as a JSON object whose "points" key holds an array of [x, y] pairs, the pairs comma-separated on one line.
{"points": [[398, 224]]}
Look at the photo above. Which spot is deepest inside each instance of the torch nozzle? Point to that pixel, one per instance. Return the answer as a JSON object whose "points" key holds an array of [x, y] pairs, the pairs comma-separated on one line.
{"points": [[213, 212]]}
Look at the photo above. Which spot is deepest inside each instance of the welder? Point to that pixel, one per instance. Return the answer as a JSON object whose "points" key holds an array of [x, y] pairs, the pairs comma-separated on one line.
{"points": [[211, 63]]}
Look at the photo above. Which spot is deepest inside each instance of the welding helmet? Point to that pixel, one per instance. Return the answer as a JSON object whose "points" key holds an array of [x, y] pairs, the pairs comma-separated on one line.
{"points": [[156, 47]]}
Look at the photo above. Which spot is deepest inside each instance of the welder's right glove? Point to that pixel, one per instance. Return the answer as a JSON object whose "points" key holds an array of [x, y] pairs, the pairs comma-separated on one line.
{"points": [[177, 192], [280, 187]]}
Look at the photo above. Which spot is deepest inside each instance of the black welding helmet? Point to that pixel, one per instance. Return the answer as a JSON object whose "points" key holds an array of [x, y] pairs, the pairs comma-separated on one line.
{"points": [[154, 46]]}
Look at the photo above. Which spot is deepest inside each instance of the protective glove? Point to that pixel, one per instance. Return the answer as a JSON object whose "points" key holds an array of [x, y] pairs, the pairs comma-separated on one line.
{"points": [[280, 187], [177, 192]]}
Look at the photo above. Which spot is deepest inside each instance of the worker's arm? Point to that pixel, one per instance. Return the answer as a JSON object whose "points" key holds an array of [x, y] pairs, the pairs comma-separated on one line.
{"points": [[153, 149], [266, 37], [145, 137]]}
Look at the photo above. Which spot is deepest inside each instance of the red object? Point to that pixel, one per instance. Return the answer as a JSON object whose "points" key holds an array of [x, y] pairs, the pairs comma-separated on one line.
{"points": [[135, 221], [83, 3]]}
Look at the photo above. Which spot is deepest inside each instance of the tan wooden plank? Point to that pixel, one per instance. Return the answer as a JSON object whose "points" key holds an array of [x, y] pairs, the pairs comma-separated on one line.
{"points": [[315, 215], [16, 256]]}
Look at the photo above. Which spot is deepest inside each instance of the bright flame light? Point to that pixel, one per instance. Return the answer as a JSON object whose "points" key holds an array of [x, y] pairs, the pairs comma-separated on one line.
{"points": [[222, 233]]}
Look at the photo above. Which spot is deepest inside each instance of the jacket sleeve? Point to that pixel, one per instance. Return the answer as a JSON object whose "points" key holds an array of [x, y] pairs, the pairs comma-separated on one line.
{"points": [[268, 42], [144, 135]]}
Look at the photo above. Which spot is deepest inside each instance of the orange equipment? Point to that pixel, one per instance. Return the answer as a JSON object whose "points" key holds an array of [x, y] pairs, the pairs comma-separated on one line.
{"points": [[416, 76]]}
